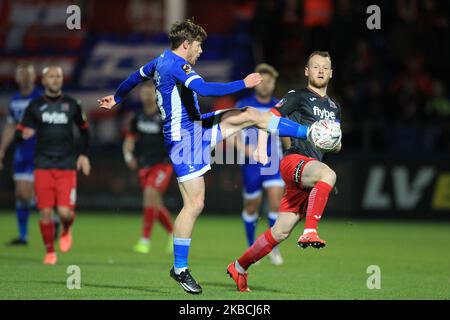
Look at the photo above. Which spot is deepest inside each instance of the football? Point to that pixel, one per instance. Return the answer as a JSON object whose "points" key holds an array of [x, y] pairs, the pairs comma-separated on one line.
{"points": [[325, 135]]}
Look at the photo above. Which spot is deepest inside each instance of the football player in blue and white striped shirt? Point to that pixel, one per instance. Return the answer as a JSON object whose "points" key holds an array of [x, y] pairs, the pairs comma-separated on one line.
{"points": [[189, 135]]}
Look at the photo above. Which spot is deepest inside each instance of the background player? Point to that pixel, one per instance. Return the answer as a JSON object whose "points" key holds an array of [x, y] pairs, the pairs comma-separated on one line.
{"points": [[143, 148], [308, 180], [52, 116], [23, 153], [189, 135], [253, 179]]}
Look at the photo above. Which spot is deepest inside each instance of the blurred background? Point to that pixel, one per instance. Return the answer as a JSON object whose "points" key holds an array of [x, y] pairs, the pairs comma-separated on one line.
{"points": [[392, 85]]}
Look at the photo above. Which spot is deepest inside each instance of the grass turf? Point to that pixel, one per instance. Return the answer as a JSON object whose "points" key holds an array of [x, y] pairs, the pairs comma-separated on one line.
{"points": [[413, 257]]}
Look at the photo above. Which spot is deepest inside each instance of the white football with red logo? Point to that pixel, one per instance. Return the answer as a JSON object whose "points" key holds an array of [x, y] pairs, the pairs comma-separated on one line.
{"points": [[325, 135]]}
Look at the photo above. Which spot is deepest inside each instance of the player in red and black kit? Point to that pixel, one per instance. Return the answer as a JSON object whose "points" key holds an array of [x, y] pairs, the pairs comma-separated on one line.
{"points": [[308, 180], [56, 158], [143, 148]]}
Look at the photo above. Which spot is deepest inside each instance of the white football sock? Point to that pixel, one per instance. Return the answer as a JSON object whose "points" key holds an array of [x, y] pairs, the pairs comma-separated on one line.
{"points": [[309, 230], [179, 270], [238, 267]]}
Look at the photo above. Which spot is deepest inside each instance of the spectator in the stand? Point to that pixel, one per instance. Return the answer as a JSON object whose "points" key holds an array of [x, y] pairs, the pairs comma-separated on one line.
{"points": [[266, 31], [438, 119], [438, 105], [410, 89], [317, 15], [413, 84]]}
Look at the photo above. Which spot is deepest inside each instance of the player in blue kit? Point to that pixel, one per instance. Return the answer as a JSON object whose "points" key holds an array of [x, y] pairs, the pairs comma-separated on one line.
{"points": [[189, 135], [255, 176], [24, 151]]}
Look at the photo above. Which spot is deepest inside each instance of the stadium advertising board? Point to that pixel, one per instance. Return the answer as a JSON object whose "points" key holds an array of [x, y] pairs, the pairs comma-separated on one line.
{"points": [[404, 187]]}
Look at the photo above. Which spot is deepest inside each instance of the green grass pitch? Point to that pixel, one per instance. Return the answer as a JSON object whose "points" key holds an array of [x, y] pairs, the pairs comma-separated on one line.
{"points": [[414, 259]]}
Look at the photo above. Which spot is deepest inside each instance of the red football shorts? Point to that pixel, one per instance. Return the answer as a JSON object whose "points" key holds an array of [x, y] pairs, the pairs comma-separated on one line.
{"points": [[157, 176], [295, 198], [55, 187]]}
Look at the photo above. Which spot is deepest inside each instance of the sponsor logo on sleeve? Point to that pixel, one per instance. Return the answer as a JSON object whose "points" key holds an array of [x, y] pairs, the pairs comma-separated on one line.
{"points": [[187, 68]]}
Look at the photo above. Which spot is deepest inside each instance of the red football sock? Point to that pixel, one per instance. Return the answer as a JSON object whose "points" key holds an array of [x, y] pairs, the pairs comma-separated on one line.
{"points": [[67, 222], [48, 235], [165, 219], [317, 201], [148, 221], [262, 246]]}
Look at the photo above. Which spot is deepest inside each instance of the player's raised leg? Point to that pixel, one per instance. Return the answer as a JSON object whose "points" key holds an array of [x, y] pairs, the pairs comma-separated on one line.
{"points": [[193, 194], [263, 245], [237, 119], [321, 179]]}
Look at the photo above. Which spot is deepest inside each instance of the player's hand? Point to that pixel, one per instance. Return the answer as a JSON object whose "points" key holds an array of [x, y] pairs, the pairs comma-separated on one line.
{"points": [[252, 80], [132, 164], [27, 133], [107, 102], [84, 165], [261, 157]]}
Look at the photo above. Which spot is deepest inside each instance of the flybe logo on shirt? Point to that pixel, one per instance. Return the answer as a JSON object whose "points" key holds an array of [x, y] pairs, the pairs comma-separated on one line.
{"points": [[148, 127], [324, 113], [55, 118]]}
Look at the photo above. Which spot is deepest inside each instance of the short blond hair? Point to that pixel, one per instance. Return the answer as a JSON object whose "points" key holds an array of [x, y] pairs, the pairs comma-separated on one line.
{"points": [[323, 54], [267, 69]]}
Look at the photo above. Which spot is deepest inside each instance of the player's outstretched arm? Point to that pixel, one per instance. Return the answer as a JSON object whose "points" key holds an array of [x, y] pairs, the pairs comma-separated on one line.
{"points": [[124, 88], [141, 75], [214, 89]]}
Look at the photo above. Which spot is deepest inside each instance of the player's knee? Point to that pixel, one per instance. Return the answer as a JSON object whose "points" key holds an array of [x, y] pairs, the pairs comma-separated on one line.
{"points": [[251, 208], [251, 115], [63, 212], [280, 234], [329, 176], [23, 195], [46, 215], [195, 206], [274, 206]]}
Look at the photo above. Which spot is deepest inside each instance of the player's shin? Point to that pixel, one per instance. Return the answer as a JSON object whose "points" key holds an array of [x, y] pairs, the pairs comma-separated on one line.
{"points": [[317, 201], [165, 219], [148, 222], [68, 220], [23, 213], [47, 232], [262, 246], [250, 222], [181, 252]]}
